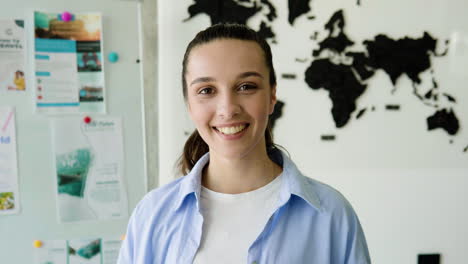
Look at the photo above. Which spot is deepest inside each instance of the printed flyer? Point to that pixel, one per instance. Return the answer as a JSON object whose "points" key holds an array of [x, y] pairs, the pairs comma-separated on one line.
{"points": [[77, 251], [12, 55], [9, 191], [69, 70], [89, 169]]}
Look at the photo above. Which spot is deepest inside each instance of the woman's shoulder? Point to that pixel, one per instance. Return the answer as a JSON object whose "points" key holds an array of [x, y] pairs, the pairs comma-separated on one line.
{"points": [[323, 196], [330, 199], [160, 198]]}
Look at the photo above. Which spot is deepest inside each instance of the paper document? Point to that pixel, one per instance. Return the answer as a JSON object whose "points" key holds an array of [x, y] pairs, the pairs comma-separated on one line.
{"points": [[69, 73], [12, 50], [9, 191], [89, 169]]}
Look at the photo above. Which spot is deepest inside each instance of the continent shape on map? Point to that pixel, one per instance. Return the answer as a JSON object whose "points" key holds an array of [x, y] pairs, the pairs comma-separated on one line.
{"points": [[398, 57], [343, 85], [336, 41], [297, 8], [223, 11], [232, 11], [277, 113], [444, 119], [346, 82]]}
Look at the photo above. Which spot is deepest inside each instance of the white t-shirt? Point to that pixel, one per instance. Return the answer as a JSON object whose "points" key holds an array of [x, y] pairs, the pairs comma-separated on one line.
{"points": [[232, 222]]}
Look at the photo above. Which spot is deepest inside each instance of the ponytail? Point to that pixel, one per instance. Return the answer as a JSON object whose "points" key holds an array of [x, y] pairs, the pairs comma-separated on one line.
{"points": [[195, 147]]}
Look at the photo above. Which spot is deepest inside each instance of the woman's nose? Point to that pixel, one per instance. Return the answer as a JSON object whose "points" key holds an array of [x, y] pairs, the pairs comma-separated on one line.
{"points": [[228, 106]]}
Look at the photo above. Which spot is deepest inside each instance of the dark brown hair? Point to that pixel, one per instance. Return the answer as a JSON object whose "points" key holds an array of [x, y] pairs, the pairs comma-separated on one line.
{"points": [[195, 147]]}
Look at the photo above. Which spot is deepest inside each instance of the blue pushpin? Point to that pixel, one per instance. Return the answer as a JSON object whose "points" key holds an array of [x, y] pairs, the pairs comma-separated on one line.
{"points": [[113, 57]]}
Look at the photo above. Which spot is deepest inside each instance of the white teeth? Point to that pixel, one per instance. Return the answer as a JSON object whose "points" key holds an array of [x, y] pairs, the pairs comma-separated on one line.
{"points": [[231, 130]]}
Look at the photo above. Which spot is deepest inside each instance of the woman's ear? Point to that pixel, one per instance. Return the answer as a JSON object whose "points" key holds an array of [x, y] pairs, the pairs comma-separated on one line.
{"points": [[272, 99]]}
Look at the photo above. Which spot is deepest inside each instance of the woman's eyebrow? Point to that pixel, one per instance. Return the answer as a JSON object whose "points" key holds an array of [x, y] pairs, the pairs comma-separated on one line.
{"points": [[248, 74], [202, 79], [240, 76]]}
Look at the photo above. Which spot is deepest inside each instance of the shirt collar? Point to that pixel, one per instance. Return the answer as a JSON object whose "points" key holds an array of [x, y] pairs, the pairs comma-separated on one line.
{"points": [[192, 182], [294, 183]]}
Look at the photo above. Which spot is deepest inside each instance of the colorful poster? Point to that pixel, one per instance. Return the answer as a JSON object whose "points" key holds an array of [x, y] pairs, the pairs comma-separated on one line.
{"points": [[9, 191], [69, 70], [77, 251], [89, 169], [12, 50]]}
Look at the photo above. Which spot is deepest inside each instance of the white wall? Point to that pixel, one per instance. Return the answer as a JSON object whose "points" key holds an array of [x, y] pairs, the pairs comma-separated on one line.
{"points": [[406, 184]]}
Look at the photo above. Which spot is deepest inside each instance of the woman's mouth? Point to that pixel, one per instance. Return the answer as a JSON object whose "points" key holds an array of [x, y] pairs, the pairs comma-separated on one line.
{"points": [[231, 130]]}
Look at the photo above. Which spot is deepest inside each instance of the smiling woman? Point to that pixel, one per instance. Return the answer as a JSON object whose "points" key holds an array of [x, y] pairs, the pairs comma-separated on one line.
{"points": [[224, 98], [242, 200]]}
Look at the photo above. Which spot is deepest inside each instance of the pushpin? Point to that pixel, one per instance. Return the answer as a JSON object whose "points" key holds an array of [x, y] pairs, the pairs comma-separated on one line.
{"points": [[66, 16], [122, 237], [37, 243], [113, 57], [87, 119]]}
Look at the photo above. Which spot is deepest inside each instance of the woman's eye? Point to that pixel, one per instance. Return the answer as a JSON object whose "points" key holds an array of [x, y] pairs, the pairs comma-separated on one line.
{"points": [[206, 91], [246, 87]]}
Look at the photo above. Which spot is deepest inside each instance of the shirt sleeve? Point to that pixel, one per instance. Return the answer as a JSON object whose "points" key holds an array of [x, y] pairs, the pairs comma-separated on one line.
{"points": [[127, 250], [356, 246]]}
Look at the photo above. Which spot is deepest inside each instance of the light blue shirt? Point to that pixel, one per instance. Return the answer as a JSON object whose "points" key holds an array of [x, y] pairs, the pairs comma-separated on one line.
{"points": [[312, 223]]}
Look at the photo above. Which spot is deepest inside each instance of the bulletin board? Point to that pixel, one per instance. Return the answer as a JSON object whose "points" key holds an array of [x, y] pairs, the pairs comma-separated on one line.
{"points": [[38, 217]]}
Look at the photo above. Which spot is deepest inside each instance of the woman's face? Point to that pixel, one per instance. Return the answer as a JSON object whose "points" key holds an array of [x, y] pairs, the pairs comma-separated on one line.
{"points": [[229, 96]]}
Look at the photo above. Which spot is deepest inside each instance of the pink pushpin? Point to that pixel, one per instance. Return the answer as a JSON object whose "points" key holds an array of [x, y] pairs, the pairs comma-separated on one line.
{"points": [[66, 16], [87, 119]]}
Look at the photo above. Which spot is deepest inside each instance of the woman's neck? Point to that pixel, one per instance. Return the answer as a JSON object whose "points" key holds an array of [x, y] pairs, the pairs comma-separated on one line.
{"points": [[239, 175]]}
